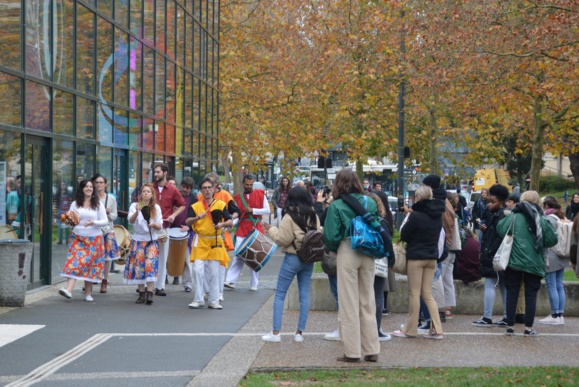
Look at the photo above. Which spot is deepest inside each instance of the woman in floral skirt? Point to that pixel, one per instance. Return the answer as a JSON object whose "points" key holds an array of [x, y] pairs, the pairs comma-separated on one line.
{"points": [[143, 262], [85, 258]]}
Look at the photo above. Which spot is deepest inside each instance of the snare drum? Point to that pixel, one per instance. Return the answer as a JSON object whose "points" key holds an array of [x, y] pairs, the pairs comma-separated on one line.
{"points": [[162, 235], [7, 232], [256, 250], [124, 241], [177, 251]]}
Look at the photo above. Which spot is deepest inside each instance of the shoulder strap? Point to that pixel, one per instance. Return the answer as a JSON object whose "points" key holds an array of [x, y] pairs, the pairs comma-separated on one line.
{"points": [[251, 217], [355, 205]]}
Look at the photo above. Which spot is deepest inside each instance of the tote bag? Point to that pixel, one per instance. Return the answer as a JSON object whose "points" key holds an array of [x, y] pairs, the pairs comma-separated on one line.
{"points": [[503, 254], [455, 245], [381, 267], [400, 254]]}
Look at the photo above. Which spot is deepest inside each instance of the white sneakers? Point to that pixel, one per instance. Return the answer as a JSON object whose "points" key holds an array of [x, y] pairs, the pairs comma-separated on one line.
{"points": [[215, 306], [270, 337], [89, 299], [298, 338], [196, 305], [333, 336], [253, 288], [550, 320], [65, 293]]}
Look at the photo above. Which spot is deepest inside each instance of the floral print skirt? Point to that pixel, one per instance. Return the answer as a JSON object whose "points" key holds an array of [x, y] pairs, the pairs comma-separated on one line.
{"points": [[85, 258], [142, 262], [111, 247]]}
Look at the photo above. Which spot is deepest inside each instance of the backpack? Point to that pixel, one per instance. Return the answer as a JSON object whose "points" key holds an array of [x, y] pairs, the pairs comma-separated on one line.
{"points": [[366, 238], [564, 229], [312, 248]]}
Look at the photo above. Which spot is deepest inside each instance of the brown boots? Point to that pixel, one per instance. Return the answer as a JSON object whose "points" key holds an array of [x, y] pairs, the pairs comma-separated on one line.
{"points": [[104, 286], [149, 298], [141, 299]]}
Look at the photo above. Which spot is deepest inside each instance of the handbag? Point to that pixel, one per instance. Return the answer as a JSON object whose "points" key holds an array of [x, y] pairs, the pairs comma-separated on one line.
{"points": [[455, 245], [400, 263], [330, 263], [381, 267], [503, 254]]}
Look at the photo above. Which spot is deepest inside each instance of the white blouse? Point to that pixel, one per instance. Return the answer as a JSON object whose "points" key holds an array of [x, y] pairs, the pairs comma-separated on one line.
{"points": [[99, 217], [141, 227]]}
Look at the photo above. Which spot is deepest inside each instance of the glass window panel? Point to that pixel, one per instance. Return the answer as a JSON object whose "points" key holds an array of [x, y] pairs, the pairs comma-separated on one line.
{"points": [[170, 139], [106, 7], [105, 163], [197, 12], [160, 24], [147, 168], [210, 5], [196, 45], [121, 13], [196, 103], [148, 80], [203, 109], [134, 175], [135, 123], [104, 59], [63, 113], [195, 147], [38, 30], [121, 135], [209, 62], [90, 2], [85, 117], [136, 17], [187, 138], [160, 136], [10, 34], [160, 86], [180, 95], [178, 140], [85, 161], [178, 171], [63, 41], [149, 136], [64, 185], [188, 100], [180, 37], [187, 43], [85, 55], [170, 97], [171, 26], [37, 111], [10, 99], [105, 128], [121, 74], [136, 78], [149, 21]]}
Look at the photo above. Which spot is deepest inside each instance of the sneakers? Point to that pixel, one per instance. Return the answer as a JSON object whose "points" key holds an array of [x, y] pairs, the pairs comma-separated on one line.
{"points": [[298, 338], [434, 336], [424, 328], [400, 334], [550, 320], [531, 333], [502, 322], [188, 288], [510, 331], [442, 316], [65, 293], [215, 306], [448, 313], [333, 336], [88, 299], [176, 281], [221, 298], [483, 322], [270, 337], [253, 288], [385, 312], [383, 336], [196, 305], [229, 285]]}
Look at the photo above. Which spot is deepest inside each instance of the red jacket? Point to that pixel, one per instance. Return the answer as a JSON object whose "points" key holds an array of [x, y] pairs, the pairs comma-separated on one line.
{"points": [[168, 199], [245, 223]]}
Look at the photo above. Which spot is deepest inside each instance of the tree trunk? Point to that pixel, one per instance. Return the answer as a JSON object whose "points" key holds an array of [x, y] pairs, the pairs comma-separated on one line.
{"points": [[360, 170], [237, 174], [538, 142], [574, 161], [226, 169], [434, 167]]}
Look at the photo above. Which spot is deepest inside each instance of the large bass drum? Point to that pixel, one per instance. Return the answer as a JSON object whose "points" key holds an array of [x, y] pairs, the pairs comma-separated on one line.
{"points": [[124, 241], [177, 251], [7, 232], [256, 250]]}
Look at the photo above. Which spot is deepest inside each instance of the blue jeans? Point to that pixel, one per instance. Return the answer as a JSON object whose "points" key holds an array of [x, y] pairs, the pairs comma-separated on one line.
{"points": [[333, 279], [556, 290], [291, 267], [490, 294]]}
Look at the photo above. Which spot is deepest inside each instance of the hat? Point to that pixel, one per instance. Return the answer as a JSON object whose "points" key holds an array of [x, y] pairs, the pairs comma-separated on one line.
{"points": [[433, 181]]}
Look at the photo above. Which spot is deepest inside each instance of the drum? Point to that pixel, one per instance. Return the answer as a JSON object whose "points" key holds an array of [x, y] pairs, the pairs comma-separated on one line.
{"points": [[177, 251], [162, 235], [256, 250], [7, 232], [124, 241]]}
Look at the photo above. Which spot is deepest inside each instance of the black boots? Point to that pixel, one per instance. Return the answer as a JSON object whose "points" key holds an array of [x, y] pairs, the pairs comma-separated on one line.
{"points": [[149, 298], [141, 299]]}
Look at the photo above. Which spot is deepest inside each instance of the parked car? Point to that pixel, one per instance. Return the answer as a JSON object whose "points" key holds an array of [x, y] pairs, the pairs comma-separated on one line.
{"points": [[228, 187]]}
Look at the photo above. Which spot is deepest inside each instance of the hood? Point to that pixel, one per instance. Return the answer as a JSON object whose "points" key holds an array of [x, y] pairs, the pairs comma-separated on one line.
{"points": [[439, 193], [433, 208]]}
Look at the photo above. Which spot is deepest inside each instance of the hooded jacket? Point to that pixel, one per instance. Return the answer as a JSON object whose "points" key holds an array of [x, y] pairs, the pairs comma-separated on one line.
{"points": [[490, 243], [422, 229]]}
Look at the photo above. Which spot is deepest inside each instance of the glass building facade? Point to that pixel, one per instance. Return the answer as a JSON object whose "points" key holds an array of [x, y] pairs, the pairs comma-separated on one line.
{"points": [[107, 86]]}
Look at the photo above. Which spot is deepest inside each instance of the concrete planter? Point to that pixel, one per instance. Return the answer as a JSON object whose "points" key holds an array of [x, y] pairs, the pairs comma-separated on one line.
{"points": [[15, 258], [469, 298]]}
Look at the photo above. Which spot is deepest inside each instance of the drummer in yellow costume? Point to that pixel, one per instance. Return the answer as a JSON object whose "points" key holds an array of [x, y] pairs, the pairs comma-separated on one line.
{"points": [[207, 217]]}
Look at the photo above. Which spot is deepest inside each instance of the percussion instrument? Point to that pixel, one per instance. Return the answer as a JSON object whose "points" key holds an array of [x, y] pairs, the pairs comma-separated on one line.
{"points": [[162, 235], [7, 232], [124, 241], [256, 250], [71, 218], [177, 251]]}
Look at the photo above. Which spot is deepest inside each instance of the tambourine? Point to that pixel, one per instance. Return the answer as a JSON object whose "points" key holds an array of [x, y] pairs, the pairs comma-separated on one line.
{"points": [[71, 218]]}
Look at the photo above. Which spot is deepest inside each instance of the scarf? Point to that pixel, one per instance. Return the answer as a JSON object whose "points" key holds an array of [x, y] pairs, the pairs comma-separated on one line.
{"points": [[532, 214]]}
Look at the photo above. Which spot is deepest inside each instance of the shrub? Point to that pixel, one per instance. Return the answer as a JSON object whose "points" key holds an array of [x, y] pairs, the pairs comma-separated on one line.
{"points": [[554, 183]]}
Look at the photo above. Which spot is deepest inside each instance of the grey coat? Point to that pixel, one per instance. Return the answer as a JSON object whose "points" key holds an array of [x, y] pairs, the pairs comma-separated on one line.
{"points": [[553, 261]]}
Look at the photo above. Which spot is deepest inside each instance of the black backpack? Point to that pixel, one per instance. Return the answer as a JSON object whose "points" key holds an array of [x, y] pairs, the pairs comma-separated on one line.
{"points": [[312, 248]]}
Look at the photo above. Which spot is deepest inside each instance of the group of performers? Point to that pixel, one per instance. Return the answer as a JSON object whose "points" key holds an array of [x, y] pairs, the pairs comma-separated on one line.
{"points": [[160, 206]]}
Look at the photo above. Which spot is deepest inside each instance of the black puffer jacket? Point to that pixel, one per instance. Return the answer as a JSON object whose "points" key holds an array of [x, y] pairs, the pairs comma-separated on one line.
{"points": [[422, 230], [490, 243]]}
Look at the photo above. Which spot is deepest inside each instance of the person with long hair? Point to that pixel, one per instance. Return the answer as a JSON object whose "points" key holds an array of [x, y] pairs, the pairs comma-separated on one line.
{"points": [[572, 207], [298, 217], [532, 233], [421, 231], [142, 267], [85, 258], [357, 321], [279, 197], [555, 268], [111, 247]]}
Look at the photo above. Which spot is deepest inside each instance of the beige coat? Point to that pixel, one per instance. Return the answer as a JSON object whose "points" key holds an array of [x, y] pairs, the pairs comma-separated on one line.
{"points": [[287, 233]]}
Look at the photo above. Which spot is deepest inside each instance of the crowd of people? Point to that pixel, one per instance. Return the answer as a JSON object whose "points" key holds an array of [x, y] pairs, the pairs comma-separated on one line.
{"points": [[439, 245]]}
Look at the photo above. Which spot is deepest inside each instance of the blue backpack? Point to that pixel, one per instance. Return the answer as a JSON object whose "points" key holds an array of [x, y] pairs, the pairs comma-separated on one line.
{"points": [[366, 238]]}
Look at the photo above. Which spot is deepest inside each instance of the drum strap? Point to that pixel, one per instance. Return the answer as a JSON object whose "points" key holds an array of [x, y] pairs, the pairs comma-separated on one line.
{"points": [[250, 216]]}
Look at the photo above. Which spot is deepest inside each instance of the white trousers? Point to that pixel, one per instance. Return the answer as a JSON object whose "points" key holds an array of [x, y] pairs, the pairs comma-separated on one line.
{"points": [[206, 272], [187, 270], [236, 267], [448, 280], [278, 211], [163, 252]]}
